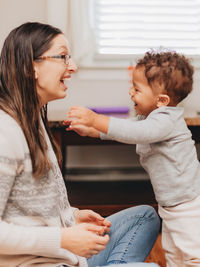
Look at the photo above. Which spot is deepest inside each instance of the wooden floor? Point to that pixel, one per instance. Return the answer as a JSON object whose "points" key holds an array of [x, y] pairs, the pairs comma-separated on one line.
{"points": [[157, 254]]}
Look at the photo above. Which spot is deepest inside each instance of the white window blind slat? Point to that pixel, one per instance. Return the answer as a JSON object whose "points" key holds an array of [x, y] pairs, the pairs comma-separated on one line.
{"points": [[135, 26], [146, 2], [147, 30]]}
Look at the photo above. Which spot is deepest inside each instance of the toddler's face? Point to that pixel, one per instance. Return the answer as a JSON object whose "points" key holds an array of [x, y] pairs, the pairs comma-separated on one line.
{"points": [[141, 93]]}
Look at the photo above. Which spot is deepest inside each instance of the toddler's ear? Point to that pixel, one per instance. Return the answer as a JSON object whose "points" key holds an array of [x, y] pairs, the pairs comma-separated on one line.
{"points": [[163, 100]]}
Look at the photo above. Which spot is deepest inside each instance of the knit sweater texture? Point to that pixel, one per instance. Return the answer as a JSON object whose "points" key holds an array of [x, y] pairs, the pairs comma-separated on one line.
{"points": [[32, 210]]}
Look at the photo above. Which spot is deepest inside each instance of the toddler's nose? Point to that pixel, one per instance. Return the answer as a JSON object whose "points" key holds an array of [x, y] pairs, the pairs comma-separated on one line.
{"points": [[132, 91]]}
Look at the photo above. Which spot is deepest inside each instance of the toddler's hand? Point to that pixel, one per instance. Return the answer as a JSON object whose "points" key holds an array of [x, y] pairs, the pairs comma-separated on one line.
{"points": [[80, 115]]}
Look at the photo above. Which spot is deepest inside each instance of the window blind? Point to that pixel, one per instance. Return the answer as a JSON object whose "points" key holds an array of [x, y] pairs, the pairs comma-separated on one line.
{"points": [[136, 26]]}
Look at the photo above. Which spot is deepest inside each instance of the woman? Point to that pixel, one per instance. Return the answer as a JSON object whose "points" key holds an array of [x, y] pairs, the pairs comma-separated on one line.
{"points": [[38, 227]]}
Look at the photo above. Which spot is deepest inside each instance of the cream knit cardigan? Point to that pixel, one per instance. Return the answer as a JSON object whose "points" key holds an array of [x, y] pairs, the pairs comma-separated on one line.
{"points": [[32, 210]]}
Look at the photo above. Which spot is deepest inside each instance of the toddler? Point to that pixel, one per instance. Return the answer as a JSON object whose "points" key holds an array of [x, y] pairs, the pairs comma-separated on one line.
{"points": [[164, 144]]}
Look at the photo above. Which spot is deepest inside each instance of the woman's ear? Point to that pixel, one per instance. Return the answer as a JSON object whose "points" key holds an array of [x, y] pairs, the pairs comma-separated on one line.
{"points": [[35, 70], [163, 100]]}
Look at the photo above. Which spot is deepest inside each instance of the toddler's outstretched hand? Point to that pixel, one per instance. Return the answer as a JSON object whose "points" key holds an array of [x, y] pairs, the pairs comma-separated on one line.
{"points": [[80, 115], [83, 116]]}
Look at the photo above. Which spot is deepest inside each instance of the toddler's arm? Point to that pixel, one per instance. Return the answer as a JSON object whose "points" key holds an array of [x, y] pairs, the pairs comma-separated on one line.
{"points": [[155, 128]]}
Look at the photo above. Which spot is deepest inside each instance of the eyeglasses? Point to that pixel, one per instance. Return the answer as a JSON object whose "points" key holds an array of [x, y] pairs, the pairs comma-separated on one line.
{"points": [[66, 58]]}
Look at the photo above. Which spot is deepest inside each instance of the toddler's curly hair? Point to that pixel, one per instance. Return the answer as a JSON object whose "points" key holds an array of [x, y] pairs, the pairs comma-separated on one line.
{"points": [[170, 70]]}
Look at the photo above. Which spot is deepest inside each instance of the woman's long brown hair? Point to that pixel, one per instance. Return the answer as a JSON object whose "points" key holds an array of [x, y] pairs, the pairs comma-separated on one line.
{"points": [[18, 95]]}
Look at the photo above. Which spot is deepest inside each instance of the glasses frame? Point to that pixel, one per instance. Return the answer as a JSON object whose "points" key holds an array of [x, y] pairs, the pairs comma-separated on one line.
{"points": [[65, 57]]}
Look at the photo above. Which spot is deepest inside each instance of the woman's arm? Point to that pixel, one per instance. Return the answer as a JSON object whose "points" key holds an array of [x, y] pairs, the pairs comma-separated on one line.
{"points": [[17, 239]]}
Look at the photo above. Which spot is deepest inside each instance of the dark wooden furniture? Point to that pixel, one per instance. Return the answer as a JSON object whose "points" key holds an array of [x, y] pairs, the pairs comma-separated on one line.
{"points": [[70, 138]]}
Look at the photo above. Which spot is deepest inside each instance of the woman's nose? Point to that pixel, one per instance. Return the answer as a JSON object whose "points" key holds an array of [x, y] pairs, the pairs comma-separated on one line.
{"points": [[71, 67]]}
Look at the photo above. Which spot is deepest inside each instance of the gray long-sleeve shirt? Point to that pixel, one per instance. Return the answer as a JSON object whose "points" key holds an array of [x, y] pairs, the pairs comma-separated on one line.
{"points": [[167, 152]]}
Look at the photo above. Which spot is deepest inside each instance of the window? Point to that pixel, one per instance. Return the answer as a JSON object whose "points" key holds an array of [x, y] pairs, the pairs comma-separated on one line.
{"points": [[132, 27]]}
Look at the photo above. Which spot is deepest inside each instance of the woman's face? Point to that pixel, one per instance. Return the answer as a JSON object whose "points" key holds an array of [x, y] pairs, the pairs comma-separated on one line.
{"points": [[51, 74]]}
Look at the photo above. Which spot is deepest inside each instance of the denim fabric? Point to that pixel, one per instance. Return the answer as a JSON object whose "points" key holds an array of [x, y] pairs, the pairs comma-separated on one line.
{"points": [[132, 236]]}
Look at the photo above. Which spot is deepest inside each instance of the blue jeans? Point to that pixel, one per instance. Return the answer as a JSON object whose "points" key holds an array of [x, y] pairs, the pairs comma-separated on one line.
{"points": [[132, 236]]}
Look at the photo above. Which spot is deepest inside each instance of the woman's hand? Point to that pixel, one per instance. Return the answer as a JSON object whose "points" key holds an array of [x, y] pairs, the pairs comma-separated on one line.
{"points": [[90, 216], [81, 129], [84, 239]]}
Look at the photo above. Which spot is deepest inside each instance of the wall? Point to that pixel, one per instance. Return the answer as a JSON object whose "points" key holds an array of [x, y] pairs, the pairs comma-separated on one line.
{"points": [[13, 13]]}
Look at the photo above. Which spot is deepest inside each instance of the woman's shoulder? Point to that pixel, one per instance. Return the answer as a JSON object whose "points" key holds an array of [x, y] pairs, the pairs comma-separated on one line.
{"points": [[6, 119], [11, 134], [8, 125]]}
